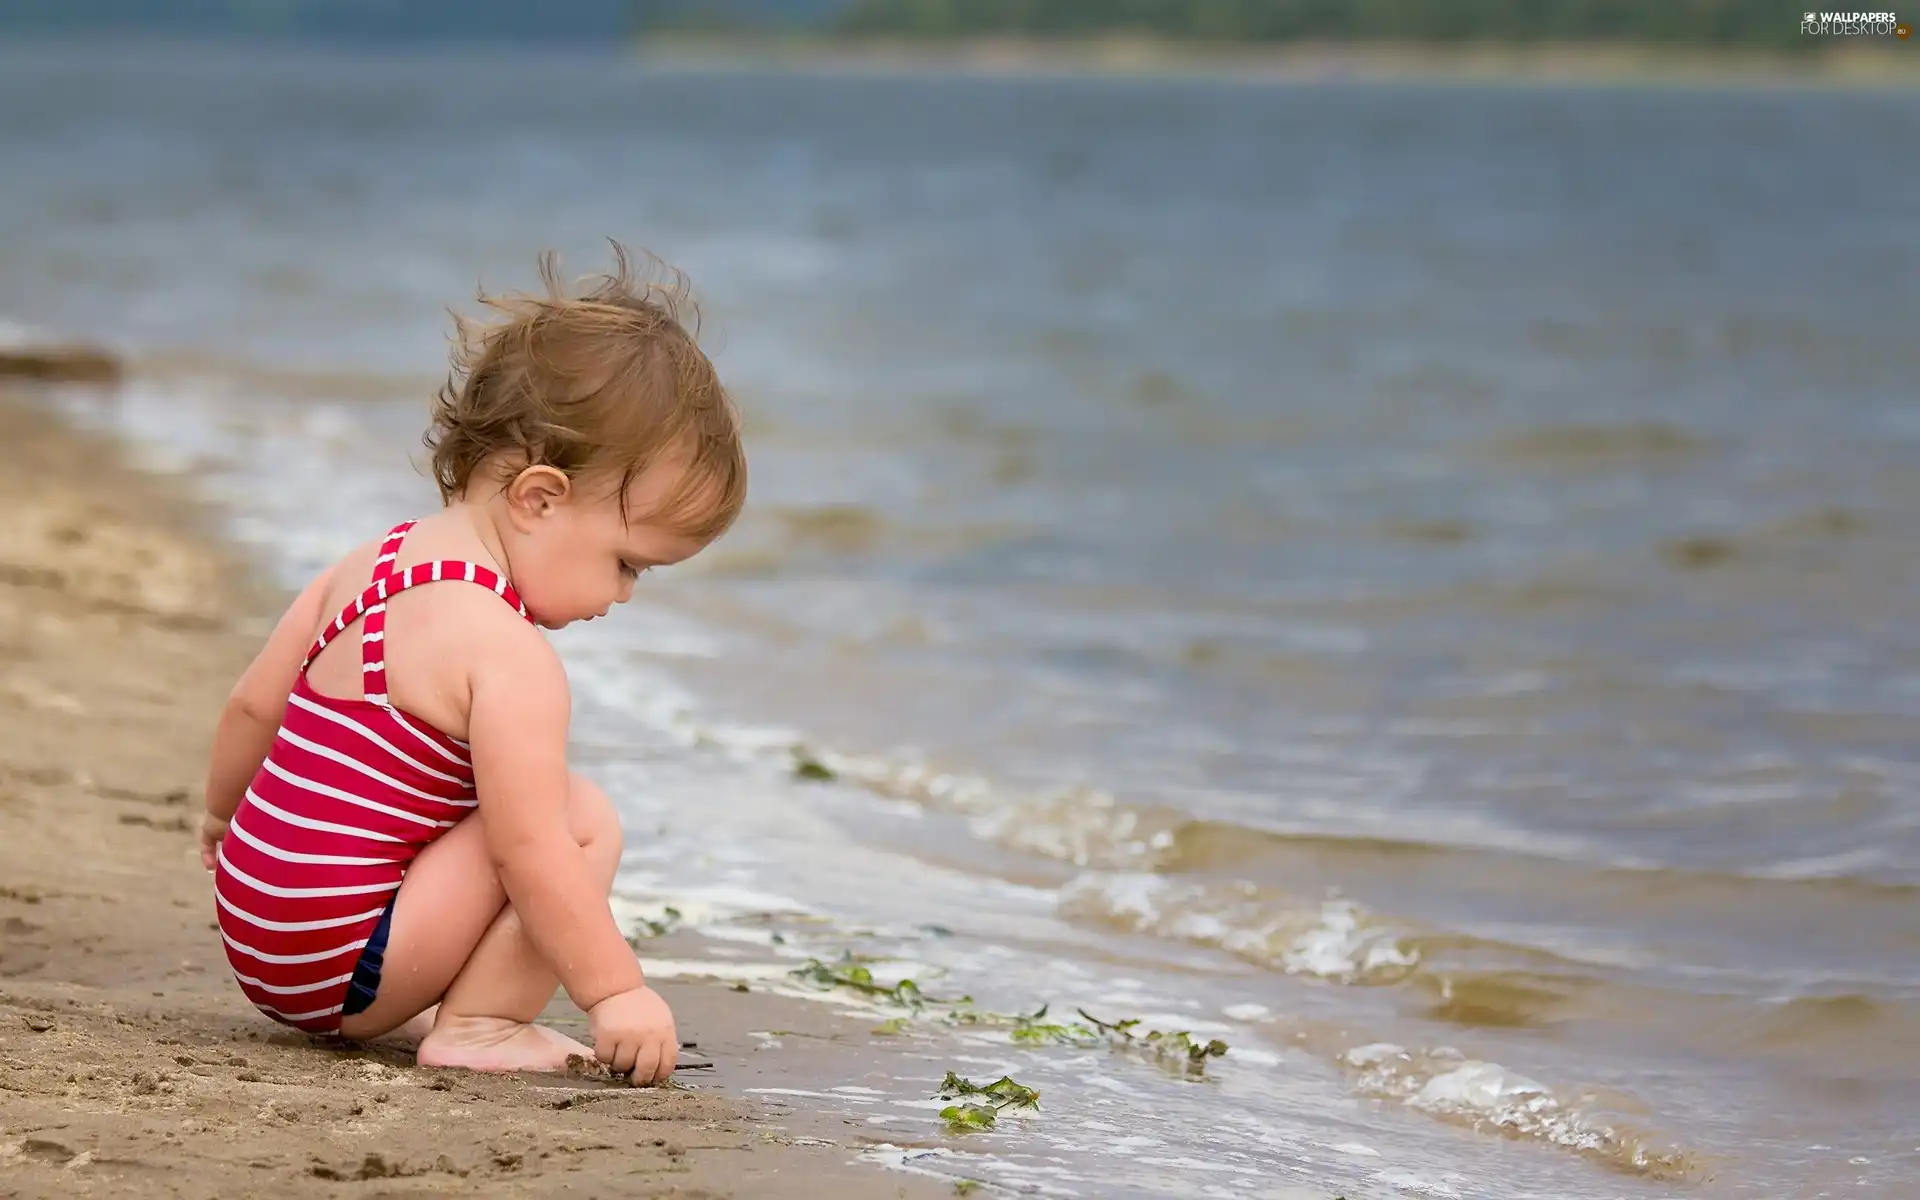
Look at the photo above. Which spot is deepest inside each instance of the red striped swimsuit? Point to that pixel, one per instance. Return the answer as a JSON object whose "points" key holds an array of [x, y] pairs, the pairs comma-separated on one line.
{"points": [[350, 792]]}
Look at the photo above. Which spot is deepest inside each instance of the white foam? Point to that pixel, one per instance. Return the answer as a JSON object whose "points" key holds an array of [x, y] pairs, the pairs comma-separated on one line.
{"points": [[1334, 939], [1406, 1181], [1487, 1095], [707, 968]]}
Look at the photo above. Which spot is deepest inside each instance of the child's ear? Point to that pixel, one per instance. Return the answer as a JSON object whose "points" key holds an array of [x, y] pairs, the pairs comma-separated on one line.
{"points": [[535, 491]]}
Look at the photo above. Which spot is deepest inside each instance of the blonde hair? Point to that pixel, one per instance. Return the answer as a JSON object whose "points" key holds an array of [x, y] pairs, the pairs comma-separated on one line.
{"points": [[608, 378]]}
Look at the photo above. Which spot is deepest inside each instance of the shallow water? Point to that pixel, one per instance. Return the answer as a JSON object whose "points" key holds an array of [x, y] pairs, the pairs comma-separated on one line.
{"points": [[1418, 583]]}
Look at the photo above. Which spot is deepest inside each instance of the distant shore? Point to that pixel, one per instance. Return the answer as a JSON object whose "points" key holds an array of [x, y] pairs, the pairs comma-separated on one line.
{"points": [[1853, 62]]}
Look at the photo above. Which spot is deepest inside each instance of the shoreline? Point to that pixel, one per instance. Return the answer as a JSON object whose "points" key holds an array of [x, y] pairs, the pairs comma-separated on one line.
{"points": [[130, 1064], [1543, 63]]}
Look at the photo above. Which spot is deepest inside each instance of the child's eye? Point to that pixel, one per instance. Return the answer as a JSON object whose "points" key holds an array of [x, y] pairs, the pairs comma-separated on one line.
{"points": [[630, 570]]}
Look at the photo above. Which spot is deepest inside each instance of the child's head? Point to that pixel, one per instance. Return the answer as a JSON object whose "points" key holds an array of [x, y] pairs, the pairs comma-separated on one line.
{"points": [[595, 432]]}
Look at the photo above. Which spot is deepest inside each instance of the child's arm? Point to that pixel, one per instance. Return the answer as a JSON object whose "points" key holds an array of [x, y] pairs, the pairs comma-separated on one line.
{"points": [[251, 719], [517, 726]]}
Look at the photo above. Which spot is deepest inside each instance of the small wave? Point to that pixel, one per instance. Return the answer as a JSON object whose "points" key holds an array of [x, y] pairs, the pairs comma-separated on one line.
{"points": [[1850, 1038], [834, 528], [1340, 940], [230, 375], [1501, 998], [1334, 939], [1436, 532], [1784, 543], [773, 539], [1081, 825], [1487, 1096], [1643, 444], [1091, 828]]}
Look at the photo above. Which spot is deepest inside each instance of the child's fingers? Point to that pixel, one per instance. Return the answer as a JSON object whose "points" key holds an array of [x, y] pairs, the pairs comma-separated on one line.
{"points": [[616, 1053], [646, 1065]]}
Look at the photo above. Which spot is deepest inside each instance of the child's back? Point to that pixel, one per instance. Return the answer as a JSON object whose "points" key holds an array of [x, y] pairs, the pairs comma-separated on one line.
{"points": [[353, 788]]}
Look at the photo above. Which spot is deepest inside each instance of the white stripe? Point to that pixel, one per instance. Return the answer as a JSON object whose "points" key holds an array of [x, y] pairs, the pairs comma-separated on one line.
{"points": [[346, 722], [384, 558], [436, 570], [381, 665], [294, 856], [321, 789], [291, 991], [288, 960], [307, 893], [293, 926], [287, 1016], [436, 747], [499, 585], [379, 698], [378, 635], [347, 760], [322, 826], [380, 585], [469, 572]]}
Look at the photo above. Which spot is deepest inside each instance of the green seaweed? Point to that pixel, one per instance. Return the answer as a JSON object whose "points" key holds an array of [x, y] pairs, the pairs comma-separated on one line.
{"points": [[981, 1114], [1027, 1029], [964, 1118], [809, 768], [647, 927], [852, 973], [1035, 1030], [1175, 1049], [1003, 1089]]}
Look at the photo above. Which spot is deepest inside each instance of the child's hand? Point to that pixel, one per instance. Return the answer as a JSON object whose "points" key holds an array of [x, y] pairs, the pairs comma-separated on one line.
{"points": [[212, 832], [633, 1032]]}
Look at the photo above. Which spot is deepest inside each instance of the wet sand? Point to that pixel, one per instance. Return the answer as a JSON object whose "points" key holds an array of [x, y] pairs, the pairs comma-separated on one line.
{"points": [[129, 1063]]}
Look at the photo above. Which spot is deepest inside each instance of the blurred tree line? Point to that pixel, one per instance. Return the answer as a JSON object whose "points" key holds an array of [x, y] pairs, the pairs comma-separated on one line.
{"points": [[1760, 24], [372, 21]]}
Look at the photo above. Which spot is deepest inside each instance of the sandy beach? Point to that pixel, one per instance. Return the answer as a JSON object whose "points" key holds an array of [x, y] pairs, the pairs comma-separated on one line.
{"points": [[129, 1064]]}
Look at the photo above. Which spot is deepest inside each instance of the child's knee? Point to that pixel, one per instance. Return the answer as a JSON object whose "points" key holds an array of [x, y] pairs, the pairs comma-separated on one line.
{"points": [[590, 816]]}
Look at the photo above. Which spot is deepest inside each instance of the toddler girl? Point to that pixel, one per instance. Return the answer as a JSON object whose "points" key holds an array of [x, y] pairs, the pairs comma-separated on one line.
{"points": [[391, 822]]}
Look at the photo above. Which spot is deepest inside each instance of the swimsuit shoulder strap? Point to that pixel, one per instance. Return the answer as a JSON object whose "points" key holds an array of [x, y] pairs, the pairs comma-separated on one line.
{"points": [[370, 606]]}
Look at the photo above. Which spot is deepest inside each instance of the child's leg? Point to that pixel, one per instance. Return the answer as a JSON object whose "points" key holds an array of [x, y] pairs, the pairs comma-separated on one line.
{"points": [[455, 940], [485, 1021]]}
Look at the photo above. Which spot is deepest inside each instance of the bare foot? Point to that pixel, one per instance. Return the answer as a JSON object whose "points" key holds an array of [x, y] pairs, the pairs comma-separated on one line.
{"points": [[496, 1044]]}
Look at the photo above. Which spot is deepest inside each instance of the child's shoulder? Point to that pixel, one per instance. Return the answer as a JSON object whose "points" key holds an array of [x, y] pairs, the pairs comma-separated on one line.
{"points": [[423, 557]]}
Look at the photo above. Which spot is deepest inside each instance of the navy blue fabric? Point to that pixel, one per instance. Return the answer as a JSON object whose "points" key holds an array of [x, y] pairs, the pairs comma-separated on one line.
{"points": [[366, 972]]}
